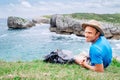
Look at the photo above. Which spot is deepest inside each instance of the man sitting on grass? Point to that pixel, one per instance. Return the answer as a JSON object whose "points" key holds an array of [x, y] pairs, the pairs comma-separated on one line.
{"points": [[100, 52]]}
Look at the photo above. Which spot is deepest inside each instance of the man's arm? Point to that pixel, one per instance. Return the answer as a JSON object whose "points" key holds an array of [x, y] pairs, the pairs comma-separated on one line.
{"points": [[97, 67]]}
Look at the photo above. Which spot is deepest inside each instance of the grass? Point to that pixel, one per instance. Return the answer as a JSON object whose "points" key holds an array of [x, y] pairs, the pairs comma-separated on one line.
{"points": [[113, 18], [39, 70]]}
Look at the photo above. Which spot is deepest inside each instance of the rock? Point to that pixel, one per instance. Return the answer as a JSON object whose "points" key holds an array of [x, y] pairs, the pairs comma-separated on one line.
{"points": [[117, 37], [19, 23], [61, 24], [78, 28], [106, 30], [112, 31], [53, 21], [41, 20], [115, 29]]}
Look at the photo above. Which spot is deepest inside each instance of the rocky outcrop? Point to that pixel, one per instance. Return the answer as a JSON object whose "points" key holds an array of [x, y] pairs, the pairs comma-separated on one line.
{"points": [[67, 25], [112, 31], [19, 23], [39, 20]]}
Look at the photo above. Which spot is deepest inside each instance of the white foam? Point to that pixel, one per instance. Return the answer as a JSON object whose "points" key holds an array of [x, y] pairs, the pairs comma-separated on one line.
{"points": [[117, 46], [4, 35]]}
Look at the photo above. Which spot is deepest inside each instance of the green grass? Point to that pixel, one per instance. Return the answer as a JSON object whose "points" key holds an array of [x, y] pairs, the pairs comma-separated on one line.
{"points": [[39, 70], [113, 18]]}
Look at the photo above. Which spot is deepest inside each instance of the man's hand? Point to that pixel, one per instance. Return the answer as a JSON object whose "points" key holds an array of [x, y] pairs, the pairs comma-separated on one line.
{"points": [[81, 60], [83, 63], [97, 67]]}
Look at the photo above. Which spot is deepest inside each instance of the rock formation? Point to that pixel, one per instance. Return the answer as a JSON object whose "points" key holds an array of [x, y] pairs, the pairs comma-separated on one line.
{"points": [[65, 25], [19, 23]]}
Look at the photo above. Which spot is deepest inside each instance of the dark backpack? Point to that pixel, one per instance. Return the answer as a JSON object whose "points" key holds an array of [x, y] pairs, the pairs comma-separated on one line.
{"points": [[58, 57]]}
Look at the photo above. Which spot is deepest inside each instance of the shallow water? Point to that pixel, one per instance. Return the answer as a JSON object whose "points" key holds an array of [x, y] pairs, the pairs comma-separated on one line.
{"points": [[34, 43]]}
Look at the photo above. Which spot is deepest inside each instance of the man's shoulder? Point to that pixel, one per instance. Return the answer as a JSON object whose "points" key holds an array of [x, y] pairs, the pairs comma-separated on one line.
{"points": [[101, 41], [102, 45]]}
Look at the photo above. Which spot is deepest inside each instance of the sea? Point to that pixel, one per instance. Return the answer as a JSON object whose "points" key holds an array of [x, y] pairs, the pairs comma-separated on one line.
{"points": [[36, 42]]}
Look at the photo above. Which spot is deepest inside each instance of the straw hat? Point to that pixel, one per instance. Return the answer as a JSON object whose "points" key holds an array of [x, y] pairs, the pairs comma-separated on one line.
{"points": [[95, 24]]}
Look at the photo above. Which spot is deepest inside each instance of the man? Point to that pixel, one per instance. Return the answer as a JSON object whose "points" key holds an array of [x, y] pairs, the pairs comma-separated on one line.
{"points": [[100, 52]]}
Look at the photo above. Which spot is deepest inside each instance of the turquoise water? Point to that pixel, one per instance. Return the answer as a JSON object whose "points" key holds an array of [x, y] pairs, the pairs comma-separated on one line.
{"points": [[36, 42]]}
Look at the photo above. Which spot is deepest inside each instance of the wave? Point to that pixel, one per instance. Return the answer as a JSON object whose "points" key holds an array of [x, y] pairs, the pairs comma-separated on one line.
{"points": [[4, 35], [67, 37], [117, 46]]}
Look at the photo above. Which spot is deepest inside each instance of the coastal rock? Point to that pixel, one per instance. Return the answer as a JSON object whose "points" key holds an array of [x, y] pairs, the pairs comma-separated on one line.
{"points": [[67, 25], [112, 31], [53, 21], [41, 20], [19, 23], [64, 25], [106, 30], [77, 27]]}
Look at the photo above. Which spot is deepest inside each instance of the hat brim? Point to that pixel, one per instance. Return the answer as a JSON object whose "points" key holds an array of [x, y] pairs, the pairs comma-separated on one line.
{"points": [[94, 26]]}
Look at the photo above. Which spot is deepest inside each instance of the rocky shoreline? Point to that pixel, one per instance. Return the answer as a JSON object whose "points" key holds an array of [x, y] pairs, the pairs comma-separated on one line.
{"points": [[66, 25], [63, 25]]}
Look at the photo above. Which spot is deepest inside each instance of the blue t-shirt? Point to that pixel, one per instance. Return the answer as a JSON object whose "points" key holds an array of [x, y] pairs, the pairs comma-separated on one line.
{"points": [[101, 52]]}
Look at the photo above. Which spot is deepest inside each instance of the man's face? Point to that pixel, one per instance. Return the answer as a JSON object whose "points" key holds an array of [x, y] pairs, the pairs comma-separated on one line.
{"points": [[91, 34]]}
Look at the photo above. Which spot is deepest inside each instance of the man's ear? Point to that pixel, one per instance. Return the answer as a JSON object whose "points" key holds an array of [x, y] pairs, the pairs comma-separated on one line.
{"points": [[98, 33]]}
